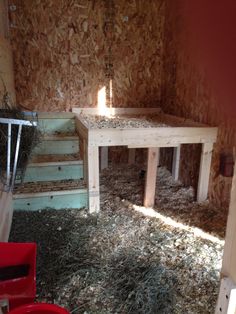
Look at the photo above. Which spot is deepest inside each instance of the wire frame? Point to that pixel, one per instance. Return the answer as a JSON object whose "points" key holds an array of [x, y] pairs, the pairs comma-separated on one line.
{"points": [[8, 175]]}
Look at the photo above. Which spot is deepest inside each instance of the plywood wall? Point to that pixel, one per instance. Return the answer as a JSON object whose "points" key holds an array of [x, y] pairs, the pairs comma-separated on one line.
{"points": [[6, 63], [186, 93], [60, 47]]}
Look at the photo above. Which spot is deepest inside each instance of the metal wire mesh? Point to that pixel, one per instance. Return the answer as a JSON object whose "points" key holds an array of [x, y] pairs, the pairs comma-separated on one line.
{"points": [[18, 136]]}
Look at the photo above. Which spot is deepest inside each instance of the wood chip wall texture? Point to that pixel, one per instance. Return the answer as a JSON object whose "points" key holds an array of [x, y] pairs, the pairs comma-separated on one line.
{"points": [[6, 65], [186, 93], [60, 48]]}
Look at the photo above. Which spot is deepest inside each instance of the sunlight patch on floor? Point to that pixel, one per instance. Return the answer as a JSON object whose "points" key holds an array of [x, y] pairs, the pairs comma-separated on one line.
{"points": [[150, 212]]}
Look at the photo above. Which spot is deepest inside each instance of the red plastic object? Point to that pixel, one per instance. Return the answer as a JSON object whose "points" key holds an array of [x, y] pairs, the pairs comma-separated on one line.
{"points": [[22, 289], [39, 308]]}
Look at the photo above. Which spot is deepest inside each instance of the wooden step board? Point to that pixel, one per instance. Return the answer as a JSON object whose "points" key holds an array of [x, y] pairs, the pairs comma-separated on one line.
{"points": [[53, 171], [58, 144], [54, 123], [55, 158], [56, 195]]}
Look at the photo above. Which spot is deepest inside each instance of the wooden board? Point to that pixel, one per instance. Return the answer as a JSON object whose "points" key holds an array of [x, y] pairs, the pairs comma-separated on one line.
{"points": [[116, 111], [6, 211], [152, 137], [54, 171], [55, 115], [229, 257], [131, 156], [151, 176], [204, 172], [176, 162], [57, 200], [103, 158], [227, 297], [93, 179], [58, 145], [53, 126]]}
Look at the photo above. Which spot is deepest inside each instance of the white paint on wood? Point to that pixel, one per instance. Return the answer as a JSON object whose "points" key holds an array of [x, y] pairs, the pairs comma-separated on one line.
{"points": [[6, 211], [131, 157], [176, 162], [204, 172], [151, 175], [104, 157], [93, 179], [226, 302]]}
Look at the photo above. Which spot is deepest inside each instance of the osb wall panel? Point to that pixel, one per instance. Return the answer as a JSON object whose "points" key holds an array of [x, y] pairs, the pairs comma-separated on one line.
{"points": [[60, 47], [186, 93], [6, 64]]}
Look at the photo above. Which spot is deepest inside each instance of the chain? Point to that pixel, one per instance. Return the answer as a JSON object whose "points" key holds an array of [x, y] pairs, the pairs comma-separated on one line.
{"points": [[109, 34]]}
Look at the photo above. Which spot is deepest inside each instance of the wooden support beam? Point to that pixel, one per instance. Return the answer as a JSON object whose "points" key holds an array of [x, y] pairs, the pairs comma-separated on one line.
{"points": [[84, 152], [104, 157], [176, 162], [131, 157], [226, 302], [150, 186], [232, 302], [93, 179], [229, 257], [6, 211], [204, 172], [227, 296], [117, 111]]}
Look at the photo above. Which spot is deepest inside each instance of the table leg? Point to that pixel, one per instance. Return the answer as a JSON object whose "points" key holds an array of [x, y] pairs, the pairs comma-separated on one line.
{"points": [[150, 186], [176, 163], [204, 172], [131, 157], [84, 151], [93, 179], [104, 157]]}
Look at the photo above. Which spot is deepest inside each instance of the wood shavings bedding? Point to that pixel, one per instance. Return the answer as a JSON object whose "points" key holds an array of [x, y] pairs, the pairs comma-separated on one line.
{"points": [[124, 261], [127, 121]]}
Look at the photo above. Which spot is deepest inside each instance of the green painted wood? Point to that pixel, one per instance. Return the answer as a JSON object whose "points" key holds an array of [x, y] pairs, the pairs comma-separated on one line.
{"points": [[55, 115], [57, 147], [77, 200], [53, 126], [61, 171]]}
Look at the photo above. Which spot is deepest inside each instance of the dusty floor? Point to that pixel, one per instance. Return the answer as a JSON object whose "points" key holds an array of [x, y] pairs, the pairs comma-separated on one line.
{"points": [[128, 259]]}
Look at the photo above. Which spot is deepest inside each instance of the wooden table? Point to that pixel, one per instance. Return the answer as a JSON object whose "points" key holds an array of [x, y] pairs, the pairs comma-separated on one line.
{"points": [[176, 132]]}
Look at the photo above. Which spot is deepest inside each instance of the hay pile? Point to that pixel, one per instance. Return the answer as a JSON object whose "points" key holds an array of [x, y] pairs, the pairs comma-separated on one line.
{"points": [[123, 261], [30, 137]]}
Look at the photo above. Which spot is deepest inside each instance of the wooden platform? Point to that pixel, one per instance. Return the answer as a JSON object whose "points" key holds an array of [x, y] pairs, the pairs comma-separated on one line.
{"points": [[169, 131]]}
